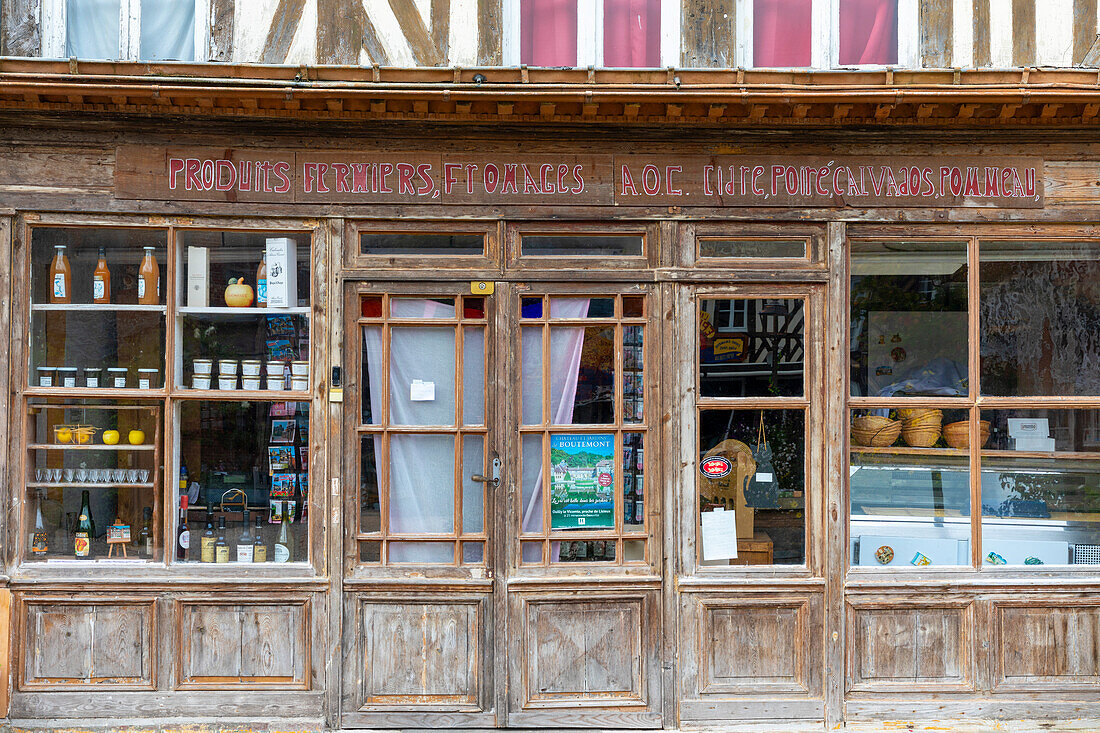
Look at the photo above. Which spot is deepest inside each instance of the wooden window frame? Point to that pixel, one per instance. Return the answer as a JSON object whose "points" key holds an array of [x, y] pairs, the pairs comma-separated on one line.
{"points": [[487, 263], [53, 16], [517, 261], [169, 398], [974, 402], [693, 233]]}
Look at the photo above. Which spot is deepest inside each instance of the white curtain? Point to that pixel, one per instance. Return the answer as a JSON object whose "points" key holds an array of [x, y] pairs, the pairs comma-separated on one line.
{"points": [[167, 30], [91, 29]]}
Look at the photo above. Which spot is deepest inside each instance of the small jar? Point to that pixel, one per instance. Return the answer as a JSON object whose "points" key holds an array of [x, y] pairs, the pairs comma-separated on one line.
{"points": [[227, 367], [116, 377], [47, 376], [252, 383], [275, 383], [147, 378], [299, 369], [200, 381], [276, 369], [66, 377], [250, 368], [225, 382], [299, 384], [92, 376], [203, 366]]}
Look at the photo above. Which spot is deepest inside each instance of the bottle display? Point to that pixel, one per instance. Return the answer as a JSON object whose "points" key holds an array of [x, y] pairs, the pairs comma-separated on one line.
{"points": [[85, 530], [259, 549], [40, 541], [244, 541], [261, 283], [145, 538], [61, 277], [282, 544], [101, 279], [149, 279], [183, 534], [221, 546], [206, 544]]}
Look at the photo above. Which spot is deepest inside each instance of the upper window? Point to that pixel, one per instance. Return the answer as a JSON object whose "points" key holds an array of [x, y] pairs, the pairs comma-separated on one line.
{"points": [[819, 33], [608, 33], [148, 30]]}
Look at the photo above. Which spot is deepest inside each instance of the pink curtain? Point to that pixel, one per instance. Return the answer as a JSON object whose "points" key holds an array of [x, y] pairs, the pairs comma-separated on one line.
{"points": [[781, 33], [548, 32], [632, 33], [868, 32]]}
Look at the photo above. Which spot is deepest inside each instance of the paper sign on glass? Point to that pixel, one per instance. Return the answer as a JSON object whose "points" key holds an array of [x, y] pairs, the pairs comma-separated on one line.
{"points": [[582, 481], [421, 391], [719, 535]]}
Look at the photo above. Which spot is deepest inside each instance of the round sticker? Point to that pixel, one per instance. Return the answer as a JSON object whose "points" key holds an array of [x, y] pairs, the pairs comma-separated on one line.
{"points": [[716, 467], [604, 479]]}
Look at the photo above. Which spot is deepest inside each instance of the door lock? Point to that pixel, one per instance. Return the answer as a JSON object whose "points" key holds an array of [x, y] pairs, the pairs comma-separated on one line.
{"points": [[494, 479]]}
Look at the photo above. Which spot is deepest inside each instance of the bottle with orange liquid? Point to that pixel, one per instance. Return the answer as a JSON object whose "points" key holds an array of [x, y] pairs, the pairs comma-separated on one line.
{"points": [[101, 280], [149, 279], [61, 277]]}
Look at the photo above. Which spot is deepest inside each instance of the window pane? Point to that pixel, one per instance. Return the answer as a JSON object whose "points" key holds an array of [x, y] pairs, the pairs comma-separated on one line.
{"points": [[422, 376], [759, 478], [868, 32], [91, 28], [1040, 318], [779, 248], [1041, 487], [781, 32], [751, 348], [473, 492], [633, 375], [548, 32], [590, 246], [582, 481], [531, 509], [631, 33], [909, 319], [582, 375], [422, 244], [532, 375], [370, 508], [422, 484], [583, 551], [167, 30], [422, 552], [634, 504], [473, 376], [372, 373]]}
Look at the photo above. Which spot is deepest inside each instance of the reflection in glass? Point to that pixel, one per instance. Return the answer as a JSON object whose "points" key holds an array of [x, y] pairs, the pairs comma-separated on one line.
{"points": [[751, 347], [1041, 488], [1040, 318], [752, 463], [634, 506], [571, 551], [582, 246], [908, 319], [767, 248], [371, 243]]}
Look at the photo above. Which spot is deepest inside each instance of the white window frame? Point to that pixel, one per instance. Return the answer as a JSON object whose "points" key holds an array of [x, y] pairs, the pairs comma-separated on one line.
{"points": [[825, 36], [53, 25], [590, 33]]}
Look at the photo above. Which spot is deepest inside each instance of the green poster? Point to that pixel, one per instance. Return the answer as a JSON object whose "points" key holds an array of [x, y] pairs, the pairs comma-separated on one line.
{"points": [[582, 481]]}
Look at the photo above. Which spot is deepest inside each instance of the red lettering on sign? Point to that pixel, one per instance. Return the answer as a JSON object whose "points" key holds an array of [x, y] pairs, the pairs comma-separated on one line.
{"points": [[628, 183], [175, 167]]}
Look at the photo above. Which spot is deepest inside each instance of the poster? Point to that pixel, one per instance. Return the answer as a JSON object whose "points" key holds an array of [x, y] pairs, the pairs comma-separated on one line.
{"points": [[582, 481]]}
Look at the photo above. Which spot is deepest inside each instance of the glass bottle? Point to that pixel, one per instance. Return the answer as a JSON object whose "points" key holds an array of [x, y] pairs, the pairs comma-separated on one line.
{"points": [[221, 547], [61, 277], [244, 541], [261, 283], [183, 535], [282, 544], [259, 549], [149, 279], [40, 541], [206, 544], [101, 279], [145, 538], [82, 540]]}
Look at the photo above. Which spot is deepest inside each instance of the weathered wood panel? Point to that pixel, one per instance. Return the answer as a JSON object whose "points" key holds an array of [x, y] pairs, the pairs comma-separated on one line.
{"points": [[284, 24], [1084, 28], [926, 646], [982, 48], [1023, 32], [343, 31], [220, 38], [707, 33], [212, 642], [1040, 644], [20, 32], [936, 37], [754, 644], [119, 643], [490, 33]]}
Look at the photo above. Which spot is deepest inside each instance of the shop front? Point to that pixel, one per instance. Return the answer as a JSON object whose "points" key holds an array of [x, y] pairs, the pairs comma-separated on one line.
{"points": [[616, 424]]}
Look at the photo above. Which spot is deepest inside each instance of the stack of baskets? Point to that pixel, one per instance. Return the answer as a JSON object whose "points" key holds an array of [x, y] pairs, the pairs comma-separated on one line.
{"points": [[920, 428], [957, 434], [875, 431]]}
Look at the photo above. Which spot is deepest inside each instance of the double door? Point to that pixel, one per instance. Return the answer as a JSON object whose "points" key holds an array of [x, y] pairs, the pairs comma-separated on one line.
{"points": [[503, 554]]}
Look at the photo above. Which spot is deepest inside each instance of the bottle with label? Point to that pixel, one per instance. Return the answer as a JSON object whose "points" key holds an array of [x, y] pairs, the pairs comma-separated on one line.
{"points": [[149, 279], [259, 549], [85, 530], [244, 541], [206, 544], [40, 540], [261, 283], [183, 479], [101, 279], [183, 535], [145, 537], [282, 544], [61, 277], [221, 546]]}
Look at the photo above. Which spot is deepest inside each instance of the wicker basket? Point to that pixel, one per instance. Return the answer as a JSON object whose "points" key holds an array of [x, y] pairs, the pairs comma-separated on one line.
{"points": [[921, 429], [957, 434], [875, 431]]}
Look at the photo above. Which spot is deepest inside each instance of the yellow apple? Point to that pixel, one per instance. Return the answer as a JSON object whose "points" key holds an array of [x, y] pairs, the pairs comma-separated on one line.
{"points": [[64, 435], [110, 437], [136, 437]]}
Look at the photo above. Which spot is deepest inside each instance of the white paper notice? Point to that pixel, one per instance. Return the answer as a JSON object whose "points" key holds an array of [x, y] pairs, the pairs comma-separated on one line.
{"points": [[719, 535], [421, 391], [764, 478]]}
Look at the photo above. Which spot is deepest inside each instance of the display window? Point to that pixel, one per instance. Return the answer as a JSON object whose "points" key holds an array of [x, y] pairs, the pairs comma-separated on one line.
{"points": [[168, 395], [974, 383]]}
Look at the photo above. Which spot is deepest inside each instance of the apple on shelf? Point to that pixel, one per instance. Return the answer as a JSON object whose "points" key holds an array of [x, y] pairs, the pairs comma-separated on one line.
{"points": [[237, 294]]}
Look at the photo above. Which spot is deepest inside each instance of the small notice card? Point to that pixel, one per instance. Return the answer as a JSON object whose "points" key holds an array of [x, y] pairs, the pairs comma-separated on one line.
{"points": [[421, 391], [719, 535]]}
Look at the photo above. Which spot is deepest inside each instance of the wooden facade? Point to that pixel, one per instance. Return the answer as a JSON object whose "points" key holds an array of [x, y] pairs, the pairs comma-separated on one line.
{"points": [[664, 642]]}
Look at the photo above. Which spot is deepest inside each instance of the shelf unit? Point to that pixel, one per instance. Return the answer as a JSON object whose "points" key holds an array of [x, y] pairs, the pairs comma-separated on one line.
{"points": [[199, 312], [89, 446], [99, 308]]}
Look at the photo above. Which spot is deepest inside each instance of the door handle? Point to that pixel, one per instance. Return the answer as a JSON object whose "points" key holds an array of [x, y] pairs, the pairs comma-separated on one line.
{"points": [[494, 479]]}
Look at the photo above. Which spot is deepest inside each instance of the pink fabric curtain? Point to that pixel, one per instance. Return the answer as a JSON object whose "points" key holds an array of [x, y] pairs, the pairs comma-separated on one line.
{"points": [[632, 33], [868, 32], [781, 32], [548, 32]]}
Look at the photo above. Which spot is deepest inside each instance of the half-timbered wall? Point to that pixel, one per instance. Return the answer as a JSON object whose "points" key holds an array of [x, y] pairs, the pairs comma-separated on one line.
{"points": [[712, 33]]}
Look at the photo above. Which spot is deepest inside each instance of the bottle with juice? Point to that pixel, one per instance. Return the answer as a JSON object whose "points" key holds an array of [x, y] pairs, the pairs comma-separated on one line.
{"points": [[61, 277], [101, 280], [149, 279], [261, 283]]}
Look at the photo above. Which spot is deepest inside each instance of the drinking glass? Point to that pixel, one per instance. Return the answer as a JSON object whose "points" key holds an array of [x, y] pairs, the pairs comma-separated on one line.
{"points": [[82, 475], [41, 475], [69, 473], [118, 475], [55, 475], [132, 476], [143, 474]]}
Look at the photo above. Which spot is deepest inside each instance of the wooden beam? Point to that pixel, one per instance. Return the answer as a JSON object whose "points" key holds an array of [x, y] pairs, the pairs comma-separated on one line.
{"points": [[1084, 28], [20, 28], [489, 33], [708, 30], [220, 46], [936, 33], [343, 30], [982, 48], [716, 110], [425, 51], [284, 24], [1023, 32]]}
